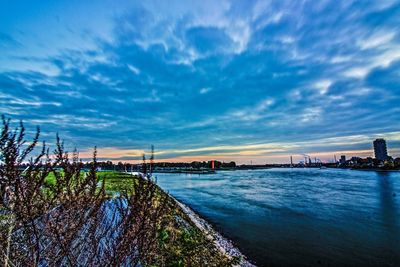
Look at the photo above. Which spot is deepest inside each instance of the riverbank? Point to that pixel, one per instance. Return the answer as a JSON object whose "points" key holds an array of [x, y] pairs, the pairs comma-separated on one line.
{"points": [[224, 245]]}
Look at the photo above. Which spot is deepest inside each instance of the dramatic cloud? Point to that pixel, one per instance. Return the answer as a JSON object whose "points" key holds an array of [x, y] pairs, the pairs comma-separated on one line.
{"points": [[230, 80]]}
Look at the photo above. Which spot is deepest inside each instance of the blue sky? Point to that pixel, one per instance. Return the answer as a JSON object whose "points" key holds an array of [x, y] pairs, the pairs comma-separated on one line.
{"points": [[228, 80]]}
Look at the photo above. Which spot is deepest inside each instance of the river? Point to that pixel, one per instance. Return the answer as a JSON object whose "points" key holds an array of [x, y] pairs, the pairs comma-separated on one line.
{"points": [[299, 217]]}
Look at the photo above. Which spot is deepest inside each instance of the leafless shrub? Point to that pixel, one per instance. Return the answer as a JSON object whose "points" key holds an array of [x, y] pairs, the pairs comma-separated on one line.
{"points": [[70, 220]]}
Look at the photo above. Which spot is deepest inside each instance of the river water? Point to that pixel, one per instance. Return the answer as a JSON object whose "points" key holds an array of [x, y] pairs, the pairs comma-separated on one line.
{"points": [[300, 217]]}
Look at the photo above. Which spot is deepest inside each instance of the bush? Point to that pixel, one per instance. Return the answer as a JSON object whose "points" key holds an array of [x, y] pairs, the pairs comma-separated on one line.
{"points": [[69, 219]]}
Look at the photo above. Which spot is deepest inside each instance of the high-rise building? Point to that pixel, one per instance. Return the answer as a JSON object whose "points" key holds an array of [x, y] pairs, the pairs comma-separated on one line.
{"points": [[380, 149]]}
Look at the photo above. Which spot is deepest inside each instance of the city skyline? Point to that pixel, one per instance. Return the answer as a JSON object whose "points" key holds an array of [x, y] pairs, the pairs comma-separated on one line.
{"points": [[324, 157], [229, 80]]}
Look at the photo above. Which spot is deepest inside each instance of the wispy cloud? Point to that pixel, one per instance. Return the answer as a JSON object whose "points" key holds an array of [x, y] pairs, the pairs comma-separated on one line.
{"points": [[204, 90]]}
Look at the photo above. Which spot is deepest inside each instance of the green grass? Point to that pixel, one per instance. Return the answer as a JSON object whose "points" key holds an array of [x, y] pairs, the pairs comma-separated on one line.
{"points": [[114, 181], [183, 244], [117, 182]]}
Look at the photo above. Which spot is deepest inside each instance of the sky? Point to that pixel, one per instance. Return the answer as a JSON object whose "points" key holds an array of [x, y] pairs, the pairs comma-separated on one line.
{"points": [[249, 81]]}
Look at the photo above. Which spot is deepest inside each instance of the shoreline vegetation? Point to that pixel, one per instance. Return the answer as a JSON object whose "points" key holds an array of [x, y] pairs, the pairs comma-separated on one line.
{"points": [[56, 210]]}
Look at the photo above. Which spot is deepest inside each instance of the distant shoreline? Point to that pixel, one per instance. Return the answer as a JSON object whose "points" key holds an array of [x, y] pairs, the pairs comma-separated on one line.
{"points": [[210, 171]]}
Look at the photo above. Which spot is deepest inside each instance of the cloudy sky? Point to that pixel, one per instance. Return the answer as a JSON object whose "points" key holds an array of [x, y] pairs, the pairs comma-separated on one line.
{"points": [[228, 80]]}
